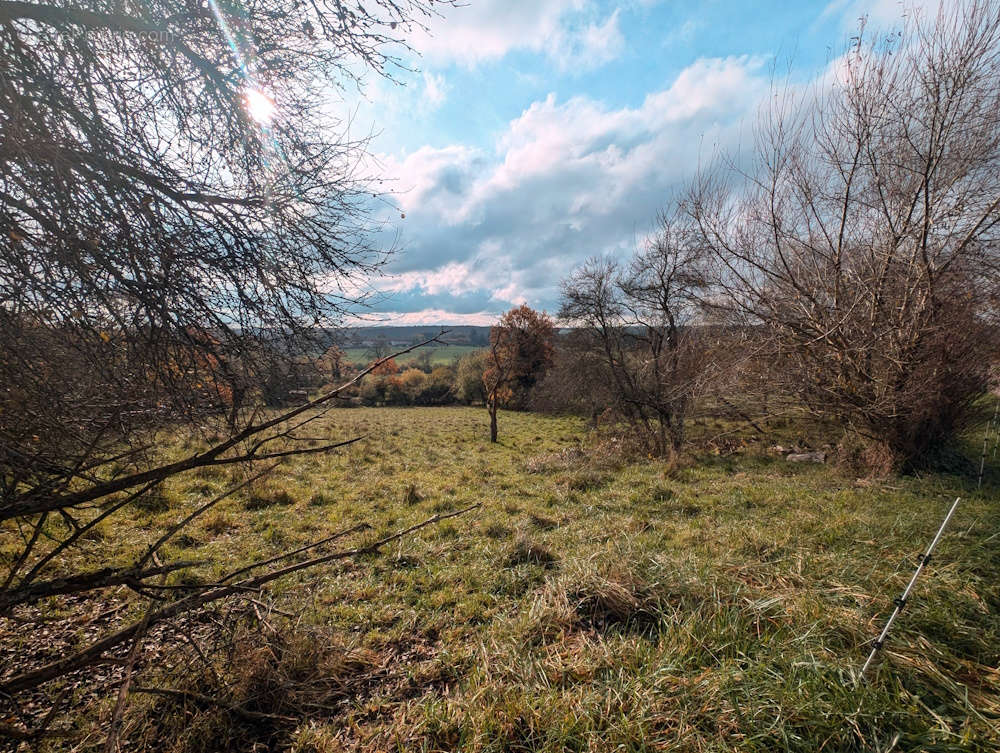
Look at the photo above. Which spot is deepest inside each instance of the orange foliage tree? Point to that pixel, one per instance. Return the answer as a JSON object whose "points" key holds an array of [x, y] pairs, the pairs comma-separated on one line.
{"points": [[386, 368], [521, 350]]}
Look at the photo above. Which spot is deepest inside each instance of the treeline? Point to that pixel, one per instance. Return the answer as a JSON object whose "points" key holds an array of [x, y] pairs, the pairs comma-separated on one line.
{"points": [[505, 374]]}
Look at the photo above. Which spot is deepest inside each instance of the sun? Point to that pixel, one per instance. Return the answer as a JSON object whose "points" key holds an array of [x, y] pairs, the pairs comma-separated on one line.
{"points": [[259, 106]]}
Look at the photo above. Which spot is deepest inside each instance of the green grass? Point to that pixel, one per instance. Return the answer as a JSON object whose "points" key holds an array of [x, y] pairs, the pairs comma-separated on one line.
{"points": [[440, 356], [595, 605]]}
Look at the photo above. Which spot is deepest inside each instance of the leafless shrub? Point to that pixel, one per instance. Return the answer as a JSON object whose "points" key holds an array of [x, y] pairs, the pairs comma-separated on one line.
{"points": [[637, 329], [862, 241], [576, 382], [865, 457]]}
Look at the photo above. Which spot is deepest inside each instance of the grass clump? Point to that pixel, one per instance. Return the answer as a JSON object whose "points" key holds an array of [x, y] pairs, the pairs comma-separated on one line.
{"points": [[411, 496], [616, 600], [266, 679], [218, 523], [322, 499], [155, 501], [527, 552], [585, 480], [268, 496]]}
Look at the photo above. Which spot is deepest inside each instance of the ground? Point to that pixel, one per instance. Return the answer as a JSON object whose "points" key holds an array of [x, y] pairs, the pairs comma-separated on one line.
{"points": [[723, 603]]}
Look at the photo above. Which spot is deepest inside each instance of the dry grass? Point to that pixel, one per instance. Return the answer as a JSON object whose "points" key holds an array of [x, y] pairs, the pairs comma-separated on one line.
{"points": [[592, 605]]}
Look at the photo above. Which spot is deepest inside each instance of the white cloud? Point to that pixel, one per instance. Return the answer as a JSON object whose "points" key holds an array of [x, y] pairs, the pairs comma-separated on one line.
{"points": [[435, 90], [424, 317], [435, 181], [683, 34], [615, 147], [452, 277], [592, 46], [491, 228], [567, 31]]}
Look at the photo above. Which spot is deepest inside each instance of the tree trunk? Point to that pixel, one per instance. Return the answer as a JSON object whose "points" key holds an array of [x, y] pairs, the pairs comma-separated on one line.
{"points": [[492, 406]]}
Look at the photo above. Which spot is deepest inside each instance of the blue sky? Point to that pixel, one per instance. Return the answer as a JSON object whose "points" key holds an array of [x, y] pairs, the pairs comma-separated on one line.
{"points": [[535, 134]]}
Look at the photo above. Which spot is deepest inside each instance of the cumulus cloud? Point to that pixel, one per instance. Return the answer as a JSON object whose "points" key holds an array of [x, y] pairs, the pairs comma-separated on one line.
{"points": [[570, 32], [488, 228], [424, 317]]}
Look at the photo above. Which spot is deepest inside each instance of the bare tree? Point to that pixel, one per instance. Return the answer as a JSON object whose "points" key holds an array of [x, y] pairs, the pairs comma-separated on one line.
{"points": [[863, 238], [177, 211], [639, 322], [499, 367], [379, 349]]}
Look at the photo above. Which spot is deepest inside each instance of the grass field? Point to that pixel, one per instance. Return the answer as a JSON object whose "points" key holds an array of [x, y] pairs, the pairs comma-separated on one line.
{"points": [[440, 356], [596, 605]]}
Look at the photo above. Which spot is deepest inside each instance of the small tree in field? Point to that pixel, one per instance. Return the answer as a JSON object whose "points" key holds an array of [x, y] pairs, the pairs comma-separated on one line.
{"points": [[332, 363], [520, 352]]}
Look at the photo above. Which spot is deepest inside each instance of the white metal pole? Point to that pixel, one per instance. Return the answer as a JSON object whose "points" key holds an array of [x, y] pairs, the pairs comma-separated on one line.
{"points": [[901, 601]]}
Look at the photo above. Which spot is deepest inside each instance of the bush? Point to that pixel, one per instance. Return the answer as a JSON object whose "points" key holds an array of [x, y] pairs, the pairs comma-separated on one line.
{"points": [[412, 387], [412, 383], [468, 382]]}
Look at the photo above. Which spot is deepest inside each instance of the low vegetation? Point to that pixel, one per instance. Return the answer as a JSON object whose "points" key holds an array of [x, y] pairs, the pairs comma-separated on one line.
{"points": [[594, 601]]}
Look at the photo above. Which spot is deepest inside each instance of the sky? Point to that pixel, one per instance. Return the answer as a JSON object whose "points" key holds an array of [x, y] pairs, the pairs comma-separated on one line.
{"points": [[534, 134]]}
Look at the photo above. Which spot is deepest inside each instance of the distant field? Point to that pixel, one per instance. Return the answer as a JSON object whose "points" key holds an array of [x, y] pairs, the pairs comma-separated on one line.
{"points": [[593, 604], [440, 356]]}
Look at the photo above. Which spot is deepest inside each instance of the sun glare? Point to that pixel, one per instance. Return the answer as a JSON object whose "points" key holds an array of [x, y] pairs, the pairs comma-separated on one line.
{"points": [[259, 106]]}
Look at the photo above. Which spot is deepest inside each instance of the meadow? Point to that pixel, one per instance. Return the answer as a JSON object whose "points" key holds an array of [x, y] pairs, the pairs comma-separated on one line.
{"points": [[443, 355], [593, 602]]}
